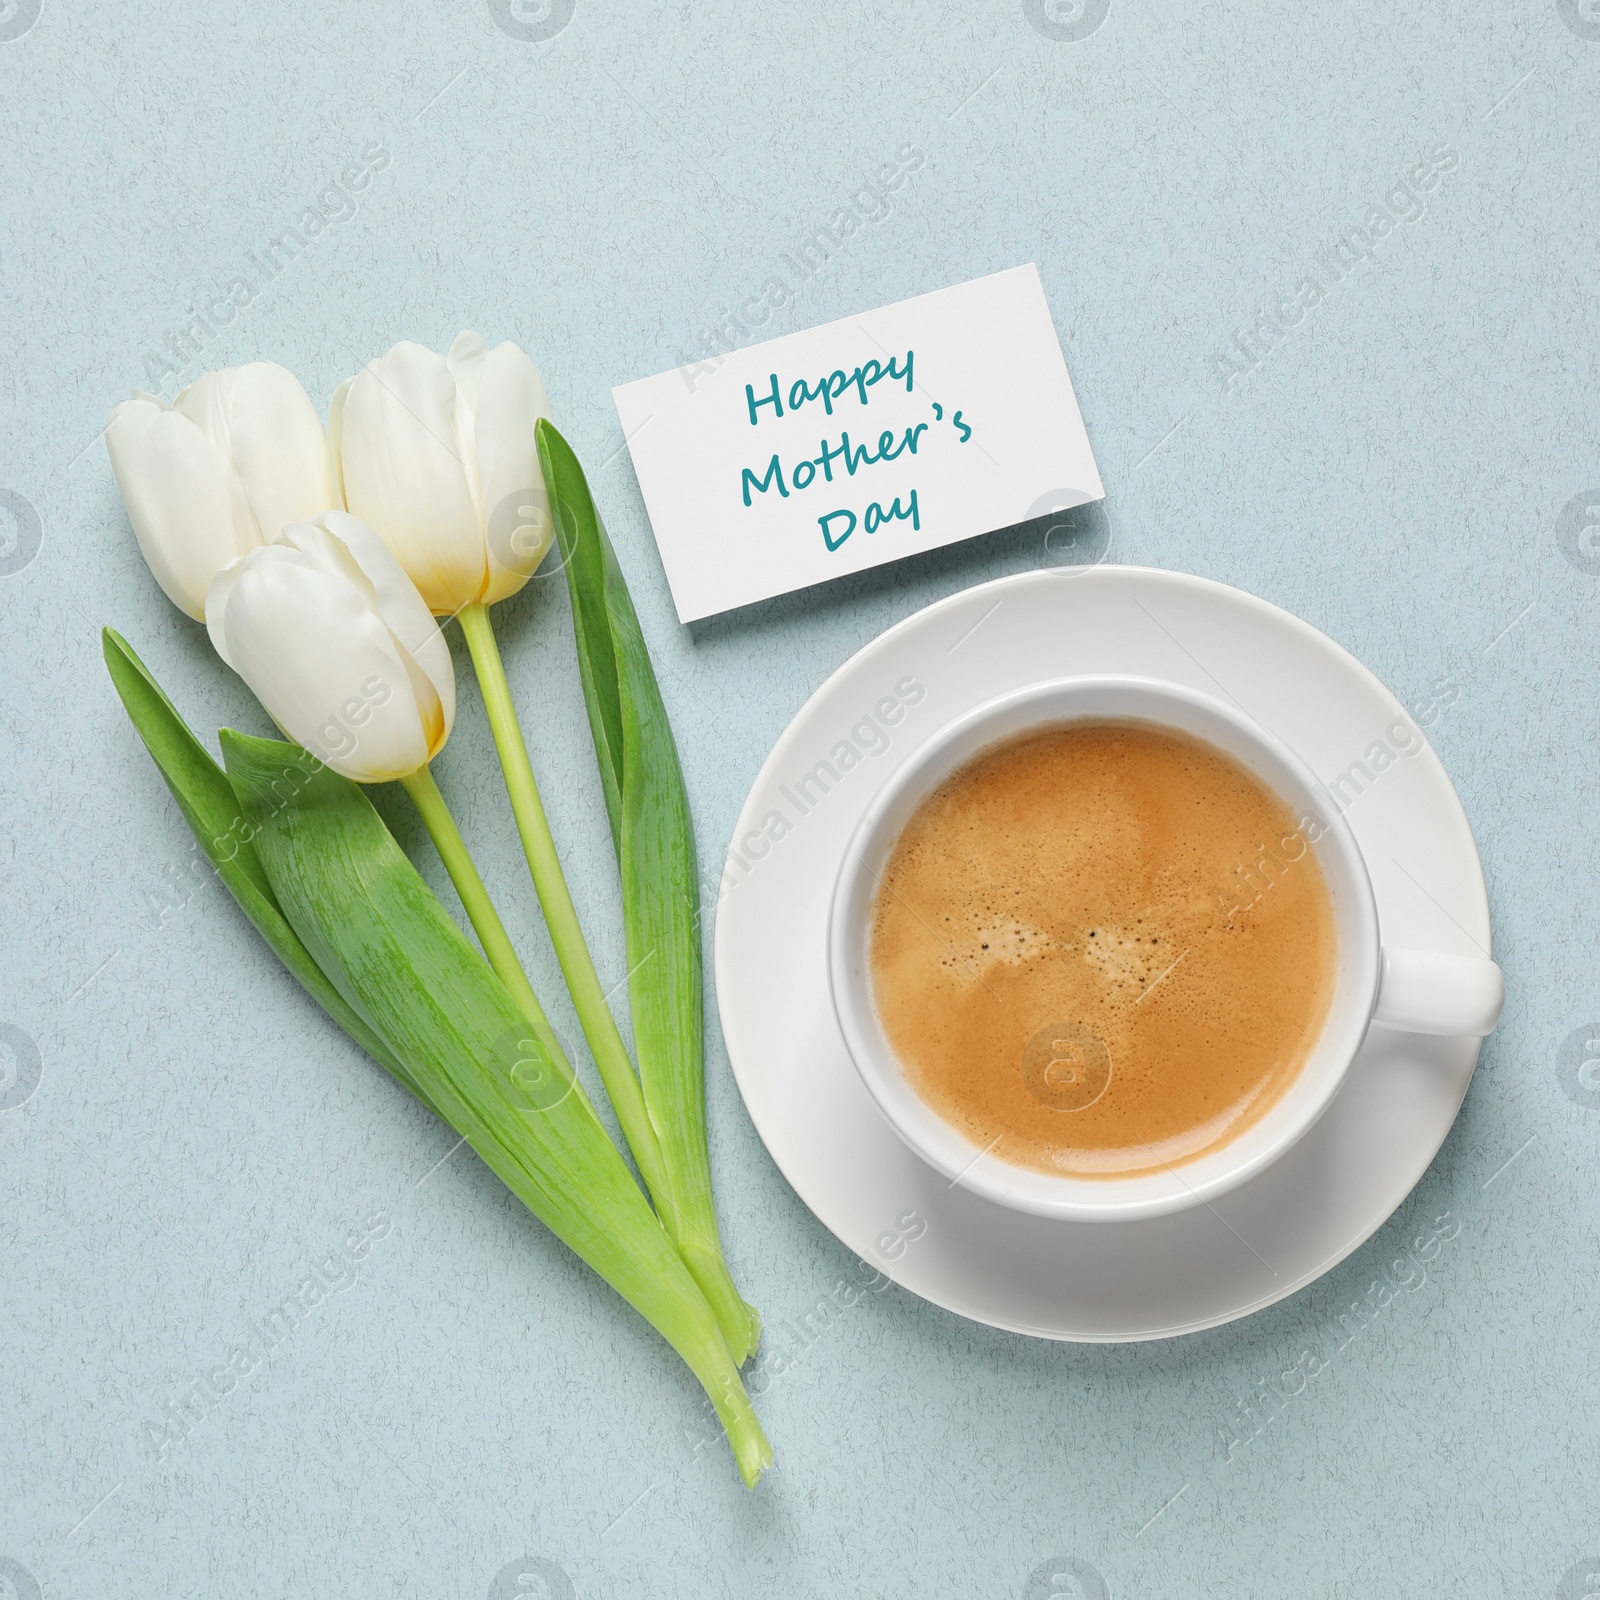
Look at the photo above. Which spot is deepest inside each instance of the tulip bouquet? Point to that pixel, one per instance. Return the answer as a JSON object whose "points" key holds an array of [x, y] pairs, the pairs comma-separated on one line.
{"points": [[320, 565]]}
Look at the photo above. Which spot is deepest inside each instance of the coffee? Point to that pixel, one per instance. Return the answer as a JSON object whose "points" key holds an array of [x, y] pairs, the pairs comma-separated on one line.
{"points": [[1102, 948]]}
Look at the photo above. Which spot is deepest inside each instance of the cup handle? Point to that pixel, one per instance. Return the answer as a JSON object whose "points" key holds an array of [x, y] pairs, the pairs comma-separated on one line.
{"points": [[1422, 991]]}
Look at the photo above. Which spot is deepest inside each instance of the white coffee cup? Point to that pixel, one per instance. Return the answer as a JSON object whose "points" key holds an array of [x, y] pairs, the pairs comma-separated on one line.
{"points": [[1417, 991]]}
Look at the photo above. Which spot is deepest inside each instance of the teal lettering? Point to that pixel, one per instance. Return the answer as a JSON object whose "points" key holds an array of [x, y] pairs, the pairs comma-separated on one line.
{"points": [[862, 382], [774, 471], [856, 456], [809, 468], [966, 432], [876, 516], [827, 538], [832, 387], [799, 393], [766, 400], [909, 442]]}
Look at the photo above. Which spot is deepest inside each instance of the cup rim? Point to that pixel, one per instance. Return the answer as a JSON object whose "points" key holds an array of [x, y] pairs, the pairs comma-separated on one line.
{"points": [[1191, 1184]]}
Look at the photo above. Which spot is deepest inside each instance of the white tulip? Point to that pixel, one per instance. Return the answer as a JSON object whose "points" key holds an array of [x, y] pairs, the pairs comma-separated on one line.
{"points": [[437, 454], [237, 454], [339, 647]]}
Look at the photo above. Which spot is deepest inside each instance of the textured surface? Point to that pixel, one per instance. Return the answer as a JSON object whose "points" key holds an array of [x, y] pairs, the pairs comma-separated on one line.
{"points": [[1401, 449]]}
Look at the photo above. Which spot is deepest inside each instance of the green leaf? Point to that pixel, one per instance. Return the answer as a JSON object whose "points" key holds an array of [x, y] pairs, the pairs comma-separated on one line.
{"points": [[377, 931], [212, 811], [654, 838], [593, 577]]}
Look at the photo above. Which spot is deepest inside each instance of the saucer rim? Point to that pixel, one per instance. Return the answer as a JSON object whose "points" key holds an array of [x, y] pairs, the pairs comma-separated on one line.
{"points": [[1334, 657]]}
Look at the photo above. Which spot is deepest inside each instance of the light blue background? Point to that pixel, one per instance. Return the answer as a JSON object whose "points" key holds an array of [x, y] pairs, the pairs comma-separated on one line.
{"points": [[1394, 468]]}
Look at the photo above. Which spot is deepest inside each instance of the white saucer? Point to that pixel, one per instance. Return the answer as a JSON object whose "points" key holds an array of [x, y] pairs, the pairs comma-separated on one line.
{"points": [[1076, 1280]]}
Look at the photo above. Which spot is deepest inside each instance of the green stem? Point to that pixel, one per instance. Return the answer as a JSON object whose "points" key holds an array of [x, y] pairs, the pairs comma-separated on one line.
{"points": [[486, 921], [689, 1322], [561, 916], [719, 1377], [381, 935]]}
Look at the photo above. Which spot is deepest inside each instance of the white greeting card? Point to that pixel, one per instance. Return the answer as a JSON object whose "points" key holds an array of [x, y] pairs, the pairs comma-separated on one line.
{"points": [[858, 442]]}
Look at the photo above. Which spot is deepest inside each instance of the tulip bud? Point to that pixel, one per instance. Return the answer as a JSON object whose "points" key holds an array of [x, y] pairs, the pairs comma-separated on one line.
{"points": [[237, 454], [437, 455], [339, 647]]}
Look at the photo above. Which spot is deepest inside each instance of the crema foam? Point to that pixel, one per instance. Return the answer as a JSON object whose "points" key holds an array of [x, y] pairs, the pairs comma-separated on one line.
{"points": [[1063, 961]]}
